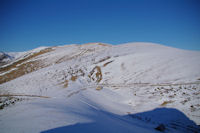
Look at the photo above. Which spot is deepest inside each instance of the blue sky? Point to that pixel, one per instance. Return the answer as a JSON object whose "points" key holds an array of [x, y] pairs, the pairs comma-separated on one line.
{"points": [[27, 24]]}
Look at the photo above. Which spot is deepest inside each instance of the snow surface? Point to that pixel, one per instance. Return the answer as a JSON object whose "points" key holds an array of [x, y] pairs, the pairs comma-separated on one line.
{"points": [[143, 85]]}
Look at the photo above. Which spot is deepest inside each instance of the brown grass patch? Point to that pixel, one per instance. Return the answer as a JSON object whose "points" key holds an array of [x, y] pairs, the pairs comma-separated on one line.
{"points": [[22, 67], [66, 84], [103, 44], [73, 78], [93, 43], [166, 102], [19, 71], [98, 74], [99, 88], [14, 65]]}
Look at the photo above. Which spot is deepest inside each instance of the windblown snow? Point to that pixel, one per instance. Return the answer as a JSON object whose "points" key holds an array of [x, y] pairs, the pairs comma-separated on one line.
{"points": [[96, 87]]}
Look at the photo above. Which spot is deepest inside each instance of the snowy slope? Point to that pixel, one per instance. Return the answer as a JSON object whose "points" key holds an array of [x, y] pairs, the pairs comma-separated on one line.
{"points": [[125, 88]]}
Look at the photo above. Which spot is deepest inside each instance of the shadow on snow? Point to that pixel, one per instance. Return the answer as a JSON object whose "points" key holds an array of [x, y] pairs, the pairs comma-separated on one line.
{"points": [[104, 122]]}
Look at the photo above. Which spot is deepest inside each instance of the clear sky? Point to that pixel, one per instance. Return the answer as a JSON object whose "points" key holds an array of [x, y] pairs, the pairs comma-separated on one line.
{"points": [[27, 24]]}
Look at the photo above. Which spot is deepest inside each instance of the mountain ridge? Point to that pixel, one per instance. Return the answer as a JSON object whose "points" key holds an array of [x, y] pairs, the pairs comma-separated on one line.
{"points": [[120, 79]]}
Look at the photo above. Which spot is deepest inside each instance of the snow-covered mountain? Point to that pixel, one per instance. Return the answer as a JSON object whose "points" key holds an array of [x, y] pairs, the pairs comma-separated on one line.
{"points": [[5, 58], [96, 87]]}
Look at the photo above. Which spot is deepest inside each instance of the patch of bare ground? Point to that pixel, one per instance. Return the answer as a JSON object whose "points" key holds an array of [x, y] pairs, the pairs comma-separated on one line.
{"points": [[99, 88], [66, 84], [19, 71], [73, 78], [22, 67], [96, 74], [101, 44], [166, 102], [102, 60], [107, 63]]}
